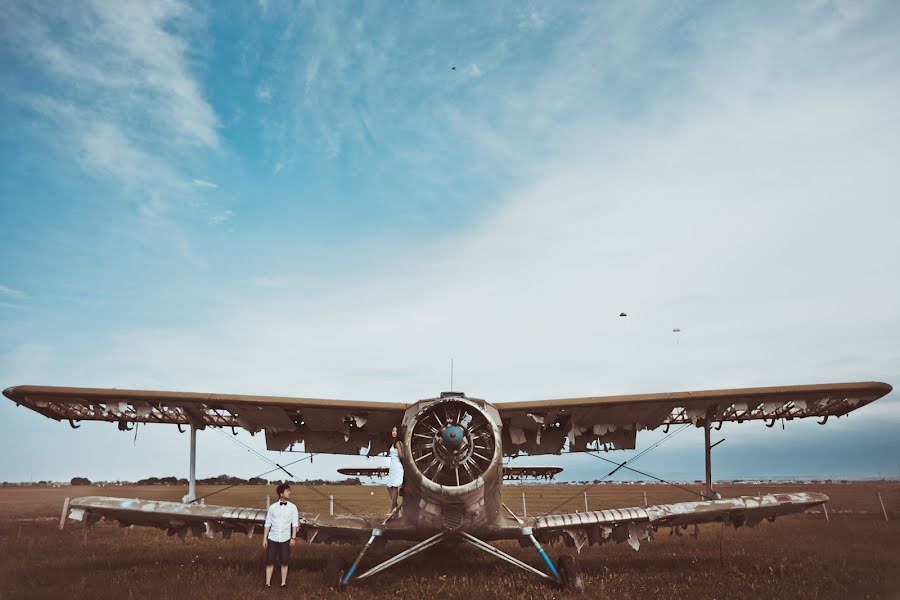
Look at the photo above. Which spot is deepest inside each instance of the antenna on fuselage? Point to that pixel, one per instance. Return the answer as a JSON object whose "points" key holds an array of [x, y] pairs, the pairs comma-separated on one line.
{"points": [[451, 374]]}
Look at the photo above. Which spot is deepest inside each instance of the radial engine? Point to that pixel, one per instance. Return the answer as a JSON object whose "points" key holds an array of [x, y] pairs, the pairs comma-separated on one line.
{"points": [[453, 462]]}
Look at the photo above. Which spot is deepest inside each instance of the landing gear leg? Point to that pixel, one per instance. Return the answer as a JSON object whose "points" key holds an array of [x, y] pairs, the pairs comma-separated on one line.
{"points": [[482, 545], [547, 561], [343, 579]]}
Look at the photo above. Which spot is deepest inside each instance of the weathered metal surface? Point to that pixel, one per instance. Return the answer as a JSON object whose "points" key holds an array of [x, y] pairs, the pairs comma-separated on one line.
{"points": [[535, 427], [509, 473], [364, 471], [638, 523], [612, 422], [206, 520], [322, 425], [630, 525], [436, 496]]}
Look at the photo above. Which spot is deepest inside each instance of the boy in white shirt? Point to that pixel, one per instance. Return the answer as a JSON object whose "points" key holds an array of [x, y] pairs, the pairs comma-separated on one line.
{"points": [[282, 521]]}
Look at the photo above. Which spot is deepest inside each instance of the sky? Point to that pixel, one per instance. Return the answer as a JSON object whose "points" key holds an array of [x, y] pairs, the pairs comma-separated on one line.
{"points": [[332, 199]]}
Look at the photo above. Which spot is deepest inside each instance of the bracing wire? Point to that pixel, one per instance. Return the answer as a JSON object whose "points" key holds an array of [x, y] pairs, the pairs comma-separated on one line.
{"points": [[282, 468], [659, 479], [618, 466], [255, 451]]}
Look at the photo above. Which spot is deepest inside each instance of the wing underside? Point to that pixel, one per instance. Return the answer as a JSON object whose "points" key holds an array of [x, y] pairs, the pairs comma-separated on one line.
{"points": [[612, 422], [509, 473], [321, 425], [532, 427], [364, 471]]}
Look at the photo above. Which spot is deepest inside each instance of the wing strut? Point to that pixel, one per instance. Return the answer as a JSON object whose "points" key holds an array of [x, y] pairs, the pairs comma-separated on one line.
{"points": [[192, 473], [709, 493]]}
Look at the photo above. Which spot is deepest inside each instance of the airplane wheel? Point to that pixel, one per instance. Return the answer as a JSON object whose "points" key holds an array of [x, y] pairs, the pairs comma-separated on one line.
{"points": [[570, 573], [335, 569]]}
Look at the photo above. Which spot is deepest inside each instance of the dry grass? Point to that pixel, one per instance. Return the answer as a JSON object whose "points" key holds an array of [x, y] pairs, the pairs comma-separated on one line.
{"points": [[856, 555]]}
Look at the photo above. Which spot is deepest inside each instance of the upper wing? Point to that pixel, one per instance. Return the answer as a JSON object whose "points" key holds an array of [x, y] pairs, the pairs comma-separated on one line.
{"points": [[509, 473], [208, 520], [638, 523], [330, 426], [543, 426]]}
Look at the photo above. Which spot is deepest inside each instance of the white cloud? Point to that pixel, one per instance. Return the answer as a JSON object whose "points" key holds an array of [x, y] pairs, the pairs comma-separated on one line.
{"points": [[267, 281], [723, 214], [221, 217], [264, 93], [122, 58], [12, 293], [202, 183], [12, 306], [532, 19], [116, 84], [158, 61]]}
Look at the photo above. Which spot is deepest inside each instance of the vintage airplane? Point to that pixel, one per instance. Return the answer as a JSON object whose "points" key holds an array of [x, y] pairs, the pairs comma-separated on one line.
{"points": [[453, 446]]}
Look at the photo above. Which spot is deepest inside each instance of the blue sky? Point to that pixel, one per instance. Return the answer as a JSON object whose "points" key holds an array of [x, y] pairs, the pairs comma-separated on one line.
{"points": [[308, 199]]}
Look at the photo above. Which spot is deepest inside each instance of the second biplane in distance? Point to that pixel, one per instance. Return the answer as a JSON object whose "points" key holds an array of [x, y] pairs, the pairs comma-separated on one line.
{"points": [[453, 453]]}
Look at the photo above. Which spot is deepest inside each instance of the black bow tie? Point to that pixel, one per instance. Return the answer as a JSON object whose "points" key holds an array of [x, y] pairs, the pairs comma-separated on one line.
{"points": [[283, 503]]}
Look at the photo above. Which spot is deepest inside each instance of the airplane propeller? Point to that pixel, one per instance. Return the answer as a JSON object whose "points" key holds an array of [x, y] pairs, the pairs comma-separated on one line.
{"points": [[452, 443]]}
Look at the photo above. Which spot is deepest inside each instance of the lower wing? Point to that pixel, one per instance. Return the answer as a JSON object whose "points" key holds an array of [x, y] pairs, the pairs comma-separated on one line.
{"points": [[208, 520], [639, 523]]}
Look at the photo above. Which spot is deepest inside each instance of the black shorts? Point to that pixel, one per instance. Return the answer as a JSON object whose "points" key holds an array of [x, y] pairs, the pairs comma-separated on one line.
{"points": [[279, 552]]}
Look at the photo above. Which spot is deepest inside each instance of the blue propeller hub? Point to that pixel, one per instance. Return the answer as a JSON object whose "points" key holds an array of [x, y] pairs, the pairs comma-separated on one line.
{"points": [[452, 437]]}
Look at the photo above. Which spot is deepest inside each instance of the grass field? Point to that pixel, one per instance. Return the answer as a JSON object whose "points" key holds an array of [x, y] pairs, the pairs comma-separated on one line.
{"points": [[855, 555]]}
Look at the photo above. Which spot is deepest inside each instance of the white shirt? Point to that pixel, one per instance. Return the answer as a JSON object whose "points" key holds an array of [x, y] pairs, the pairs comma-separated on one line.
{"points": [[279, 519]]}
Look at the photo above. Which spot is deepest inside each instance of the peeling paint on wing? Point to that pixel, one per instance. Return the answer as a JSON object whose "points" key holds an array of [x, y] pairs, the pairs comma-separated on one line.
{"points": [[635, 534], [207, 520], [539, 419], [578, 537], [637, 523], [517, 434]]}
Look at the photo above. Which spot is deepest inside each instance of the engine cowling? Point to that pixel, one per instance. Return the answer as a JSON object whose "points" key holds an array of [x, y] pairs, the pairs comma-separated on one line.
{"points": [[454, 448], [452, 442]]}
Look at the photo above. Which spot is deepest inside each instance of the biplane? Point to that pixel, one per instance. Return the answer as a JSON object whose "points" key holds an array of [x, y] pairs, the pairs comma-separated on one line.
{"points": [[453, 450]]}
